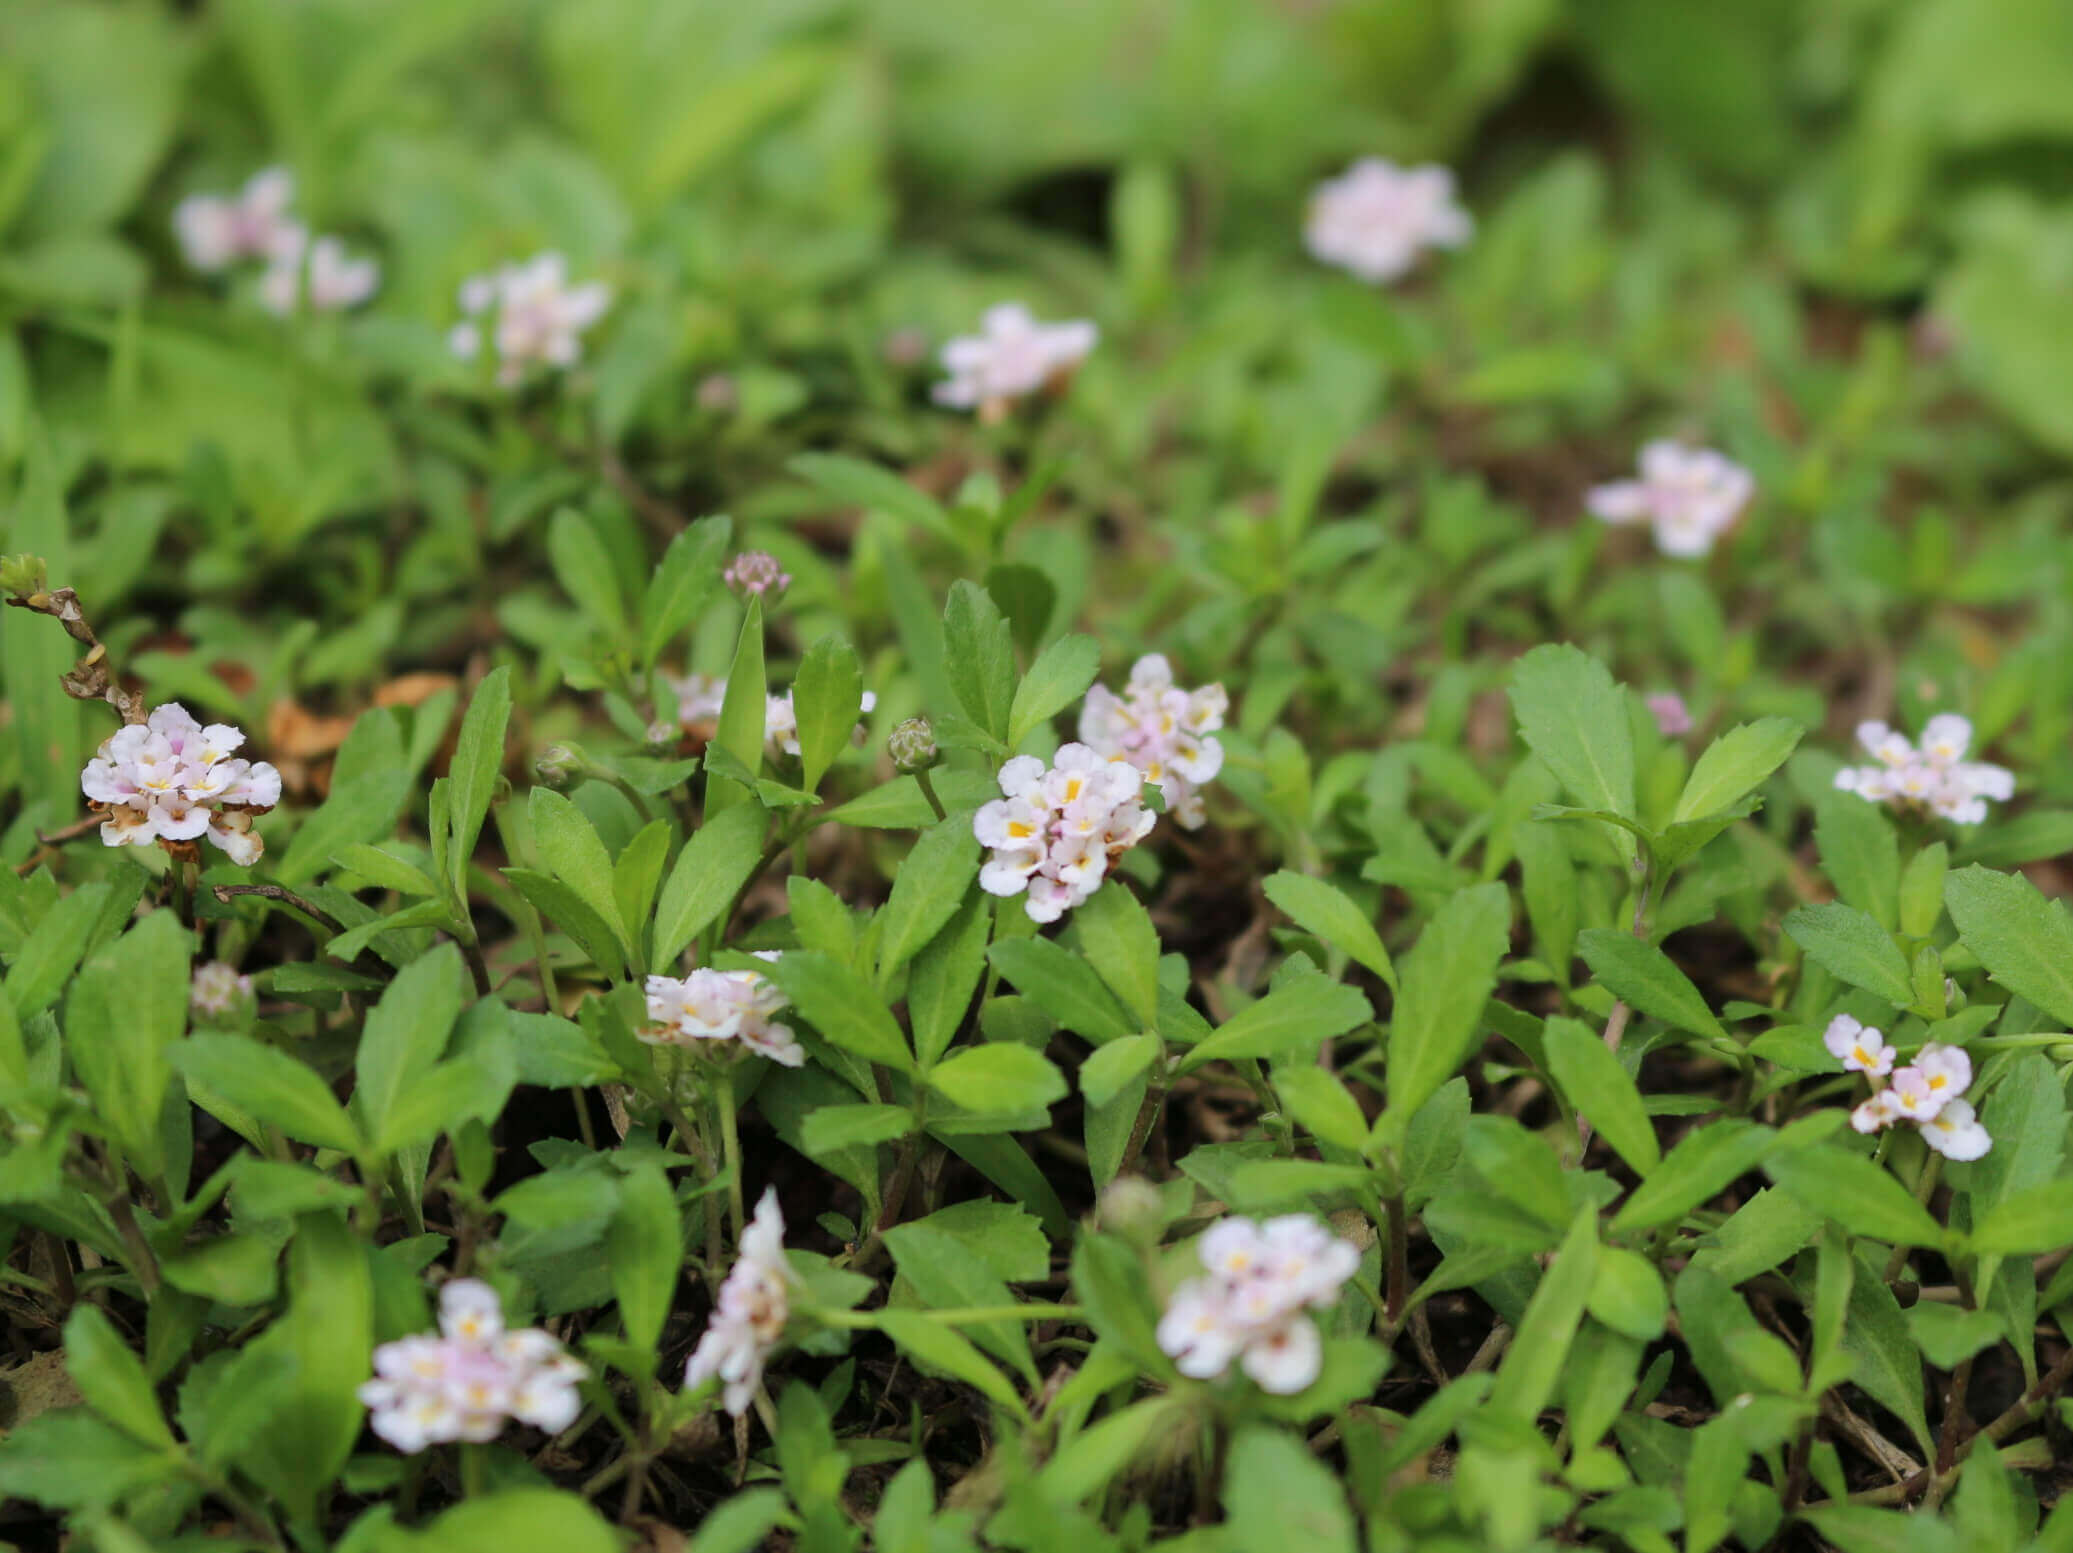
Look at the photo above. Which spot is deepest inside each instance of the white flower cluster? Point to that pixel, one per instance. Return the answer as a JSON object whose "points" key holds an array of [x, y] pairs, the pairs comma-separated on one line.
{"points": [[1936, 778], [750, 1317], [1011, 357], [171, 780], [1162, 730], [216, 231], [710, 1005], [323, 275], [217, 990], [1689, 496], [700, 697], [1252, 1306], [540, 317], [1927, 1092], [1054, 832], [465, 1383], [1376, 218]]}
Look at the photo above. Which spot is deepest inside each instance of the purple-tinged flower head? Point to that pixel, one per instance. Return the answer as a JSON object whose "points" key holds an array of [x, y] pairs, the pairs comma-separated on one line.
{"points": [[1165, 732], [1012, 357], [1673, 718], [1688, 496], [217, 994], [1956, 1133], [470, 1380], [1261, 1280], [334, 281], [710, 1005], [756, 574], [1934, 779], [1376, 219], [750, 1317], [1054, 832], [216, 231], [539, 318], [170, 780], [1858, 1047], [1927, 1092]]}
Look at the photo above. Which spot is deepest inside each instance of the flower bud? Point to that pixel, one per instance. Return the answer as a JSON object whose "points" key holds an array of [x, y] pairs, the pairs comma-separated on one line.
{"points": [[560, 764], [755, 573], [218, 995], [912, 746], [1130, 1206], [22, 576]]}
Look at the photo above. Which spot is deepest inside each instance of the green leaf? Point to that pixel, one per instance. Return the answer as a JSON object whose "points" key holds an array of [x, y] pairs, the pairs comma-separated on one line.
{"points": [[385, 869], [1921, 890], [1058, 678], [1325, 910], [471, 779], [688, 576], [328, 1335], [1859, 852], [1885, 1360], [53, 950], [570, 849], [999, 1076], [449, 1095], [126, 1011], [645, 1249], [1299, 1016], [943, 977], [1948, 1336], [1627, 1294], [517, 1518], [638, 872], [872, 488], [1857, 1194], [929, 886], [833, 1128], [270, 1085], [946, 1351], [1697, 1169], [842, 1005], [1736, 763], [1447, 977], [70, 1459], [2024, 940], [1574, 717], [740, 1523], [1115, 1065], [710, 871], [2031, 1222], [1533, 1365], [979, 657], [406, 1033], [744, 715], [1641, 974], [1063, 985], [583, 567], [827, 697], [1278, 1495], [563, 906], [1319, 1101], [1599, 1087], [1114, 932], [112, 1378], [1854, 948]]}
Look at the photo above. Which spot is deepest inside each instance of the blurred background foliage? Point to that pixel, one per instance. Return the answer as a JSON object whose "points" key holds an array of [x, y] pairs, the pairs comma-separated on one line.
{"points": [[1834, 238]]}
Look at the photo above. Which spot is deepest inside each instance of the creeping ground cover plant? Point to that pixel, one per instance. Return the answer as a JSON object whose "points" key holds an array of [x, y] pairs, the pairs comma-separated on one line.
{"points": [[1083, 779]]}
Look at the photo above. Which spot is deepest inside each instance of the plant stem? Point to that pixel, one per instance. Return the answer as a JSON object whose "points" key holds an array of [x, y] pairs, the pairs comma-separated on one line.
{"points": [[928, 791], [1399, 1257], [474, 1470], [730, 1150]]}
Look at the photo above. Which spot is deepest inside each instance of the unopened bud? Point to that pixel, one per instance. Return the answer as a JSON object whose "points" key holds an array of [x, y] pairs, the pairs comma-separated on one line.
{"points": [[717, 392], [912, 746], [1131, 1207], [218, 995], [755, 573], [22, 576], [560, 764]]}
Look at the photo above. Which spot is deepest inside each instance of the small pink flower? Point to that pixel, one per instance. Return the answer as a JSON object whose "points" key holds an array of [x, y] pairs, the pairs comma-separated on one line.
{"points": [[1673, 721], [755, 573], [1689, 496]]}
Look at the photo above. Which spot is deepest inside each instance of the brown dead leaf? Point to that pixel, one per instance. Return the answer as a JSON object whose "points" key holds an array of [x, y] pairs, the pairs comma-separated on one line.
{"points": [[412, 689]]}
